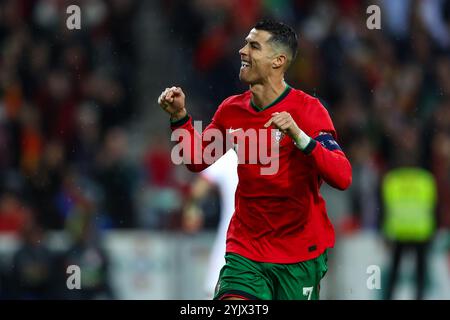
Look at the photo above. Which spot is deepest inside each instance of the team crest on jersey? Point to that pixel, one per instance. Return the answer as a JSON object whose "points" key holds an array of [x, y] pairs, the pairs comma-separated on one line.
{"points": [[278, 136]]}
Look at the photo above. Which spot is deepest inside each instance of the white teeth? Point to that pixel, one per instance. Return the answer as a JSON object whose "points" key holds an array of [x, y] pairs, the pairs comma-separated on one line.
{"points": [[245, 64]]}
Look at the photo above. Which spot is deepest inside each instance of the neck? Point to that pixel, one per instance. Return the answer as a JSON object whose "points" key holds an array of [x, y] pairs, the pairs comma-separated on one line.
{"points": [[265, 93]]}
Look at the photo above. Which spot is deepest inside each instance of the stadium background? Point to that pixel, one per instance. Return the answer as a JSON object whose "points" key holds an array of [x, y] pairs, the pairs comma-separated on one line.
{"points": [[85, 170]]}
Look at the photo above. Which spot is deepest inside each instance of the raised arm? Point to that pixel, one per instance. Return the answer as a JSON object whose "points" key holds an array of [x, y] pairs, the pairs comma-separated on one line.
{"points": [[194, 147]]}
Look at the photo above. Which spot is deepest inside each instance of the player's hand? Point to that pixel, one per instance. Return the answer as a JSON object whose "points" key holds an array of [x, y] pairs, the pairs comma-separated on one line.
{"points": [[172, 100], [283, 121]]}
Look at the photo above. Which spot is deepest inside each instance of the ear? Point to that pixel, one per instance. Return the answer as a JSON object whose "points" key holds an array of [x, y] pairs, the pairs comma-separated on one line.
{"points": [[279, 61]]}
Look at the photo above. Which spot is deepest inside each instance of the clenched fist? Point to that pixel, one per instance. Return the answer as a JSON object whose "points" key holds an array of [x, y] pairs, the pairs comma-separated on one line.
{"points": [[172, 100], [284, 122]]}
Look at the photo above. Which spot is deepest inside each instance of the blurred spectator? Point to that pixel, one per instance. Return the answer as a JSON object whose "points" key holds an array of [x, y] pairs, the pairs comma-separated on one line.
{"points": [[365, 183], [45, 183], [409, 197], [33, 273], [87, 253], [117, 178], [80, 194], [440, 160], [87, 138], [161, 197], [14, 215]]}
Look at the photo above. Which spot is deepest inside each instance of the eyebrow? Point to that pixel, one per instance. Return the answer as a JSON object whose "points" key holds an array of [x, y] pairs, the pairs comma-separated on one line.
{"points": [[253, 42]]}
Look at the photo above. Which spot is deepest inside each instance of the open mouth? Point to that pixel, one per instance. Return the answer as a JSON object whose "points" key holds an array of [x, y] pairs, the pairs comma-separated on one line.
{"points": [[244, 64]]}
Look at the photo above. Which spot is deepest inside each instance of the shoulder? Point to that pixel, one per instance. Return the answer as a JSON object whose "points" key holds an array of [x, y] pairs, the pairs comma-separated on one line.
{"points": [[236, 99], [230, 103], [313, 115], [308, 103]]}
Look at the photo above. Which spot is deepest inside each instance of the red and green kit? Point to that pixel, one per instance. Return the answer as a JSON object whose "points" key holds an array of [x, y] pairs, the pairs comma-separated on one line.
{"points": [[281, 217]]}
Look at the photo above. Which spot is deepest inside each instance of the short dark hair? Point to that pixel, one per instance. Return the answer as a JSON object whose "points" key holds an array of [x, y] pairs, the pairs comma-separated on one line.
{"points": [[281, 34]]}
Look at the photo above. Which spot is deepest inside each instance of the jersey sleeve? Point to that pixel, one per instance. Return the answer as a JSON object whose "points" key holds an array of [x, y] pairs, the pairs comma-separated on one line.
{"points": [[319, 120], [329, 159], [197, 148]]}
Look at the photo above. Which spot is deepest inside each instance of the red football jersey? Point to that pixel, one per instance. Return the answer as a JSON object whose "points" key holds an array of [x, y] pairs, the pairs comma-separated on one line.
{"points": [[279, 217]]}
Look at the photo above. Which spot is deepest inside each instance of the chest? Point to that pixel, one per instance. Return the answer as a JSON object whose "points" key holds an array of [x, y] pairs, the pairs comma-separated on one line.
{"points": [[245, 131]]}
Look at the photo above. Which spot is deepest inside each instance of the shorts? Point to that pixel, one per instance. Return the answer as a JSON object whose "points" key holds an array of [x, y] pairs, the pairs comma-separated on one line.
{"points": [[247, 279]]}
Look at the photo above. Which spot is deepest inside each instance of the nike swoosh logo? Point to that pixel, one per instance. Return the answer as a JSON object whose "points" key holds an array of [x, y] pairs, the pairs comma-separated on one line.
{"points": [[233, 130]]}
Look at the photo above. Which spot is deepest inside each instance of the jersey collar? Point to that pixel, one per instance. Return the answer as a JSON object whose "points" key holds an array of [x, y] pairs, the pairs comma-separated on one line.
{"points": [[280, 97]]}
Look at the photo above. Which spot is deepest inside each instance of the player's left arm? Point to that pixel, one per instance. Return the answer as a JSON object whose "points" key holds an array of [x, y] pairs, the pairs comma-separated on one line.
{"points": [[329, 159], [331, 162]]}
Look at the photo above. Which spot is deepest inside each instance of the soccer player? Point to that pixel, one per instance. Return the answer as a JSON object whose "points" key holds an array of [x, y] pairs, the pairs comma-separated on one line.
{"points": [[278, 237]]}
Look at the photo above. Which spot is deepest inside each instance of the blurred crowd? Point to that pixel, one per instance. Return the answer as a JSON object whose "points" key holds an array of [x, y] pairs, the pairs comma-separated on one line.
{"points": [[67, 99]]}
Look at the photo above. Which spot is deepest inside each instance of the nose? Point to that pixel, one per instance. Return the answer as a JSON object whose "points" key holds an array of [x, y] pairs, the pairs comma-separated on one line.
{"points": [[243, 51]]}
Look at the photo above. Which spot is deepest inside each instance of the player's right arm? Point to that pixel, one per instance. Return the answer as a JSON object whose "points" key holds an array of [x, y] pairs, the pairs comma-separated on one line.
{"points": [[172, 100]]}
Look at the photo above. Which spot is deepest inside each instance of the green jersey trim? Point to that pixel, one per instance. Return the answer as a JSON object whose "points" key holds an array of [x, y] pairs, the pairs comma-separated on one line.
{"points": [[277, 100]]}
